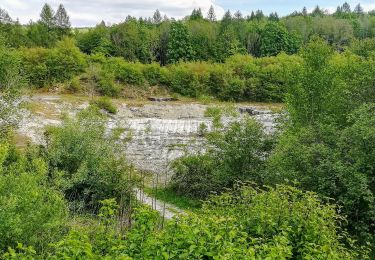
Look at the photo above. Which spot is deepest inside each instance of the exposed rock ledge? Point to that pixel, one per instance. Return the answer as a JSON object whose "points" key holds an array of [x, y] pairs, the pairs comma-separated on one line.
{"points": [[161, 132]]}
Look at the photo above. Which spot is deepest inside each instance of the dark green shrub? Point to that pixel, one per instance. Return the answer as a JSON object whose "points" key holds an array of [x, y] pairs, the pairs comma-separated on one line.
{"points": [[43, 67], [194, 176], [65, 61], [274, 39], [333, 163], [218, 79], [130, 74], [184, 81], [233, 90], [87, 163], [107, 86], [10, 67], [153, 74], [34, 64], [237, 152]]}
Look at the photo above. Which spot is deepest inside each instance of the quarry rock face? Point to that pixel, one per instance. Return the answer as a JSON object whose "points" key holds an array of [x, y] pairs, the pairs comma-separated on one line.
{"points": [[159, 132]]}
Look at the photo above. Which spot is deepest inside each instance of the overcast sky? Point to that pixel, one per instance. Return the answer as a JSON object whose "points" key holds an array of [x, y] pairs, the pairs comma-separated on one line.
{"points": [[91, 12]]}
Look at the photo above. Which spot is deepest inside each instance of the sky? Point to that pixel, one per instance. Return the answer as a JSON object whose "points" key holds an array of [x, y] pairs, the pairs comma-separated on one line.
{"points": [[90, 12]]}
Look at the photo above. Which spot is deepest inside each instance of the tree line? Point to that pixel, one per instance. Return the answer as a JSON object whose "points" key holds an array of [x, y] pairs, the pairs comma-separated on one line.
{"points": [[197, 37]]}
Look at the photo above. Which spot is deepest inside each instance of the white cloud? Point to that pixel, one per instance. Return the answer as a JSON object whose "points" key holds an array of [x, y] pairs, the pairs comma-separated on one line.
{"points": [[86, 13]]}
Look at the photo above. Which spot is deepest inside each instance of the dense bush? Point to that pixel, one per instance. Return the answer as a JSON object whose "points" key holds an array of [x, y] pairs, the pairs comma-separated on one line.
{"points": [[125, 72], [153, 74], [44, 67], [245, 223], [334, 163], [106, 84], [64, 61], [11, 82], [237, 152], [31, 212], [34, 64], [10, 68], [87, 163], [274, 39], [184, 81], [241, 78], [95, 41], [322, 147]]}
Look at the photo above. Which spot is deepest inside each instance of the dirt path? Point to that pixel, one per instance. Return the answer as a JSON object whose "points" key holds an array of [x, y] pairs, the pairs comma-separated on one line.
{"points": [[165, 209]]}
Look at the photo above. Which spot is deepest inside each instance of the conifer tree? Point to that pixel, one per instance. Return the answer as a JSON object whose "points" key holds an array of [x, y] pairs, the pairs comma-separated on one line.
{"points": [[61, 18], [252, 16], [359, 10], [238, 15], [317, 11], [47, 16], [346, 8], [304, 11], [211, 16], [338, 11], [196, 14], [156, 19], [4, 17], [259, 15], [274, 17], [227, 17]]}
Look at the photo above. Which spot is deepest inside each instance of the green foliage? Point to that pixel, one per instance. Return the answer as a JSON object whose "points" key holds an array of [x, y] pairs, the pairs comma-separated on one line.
{"points": [[95, 40], [308, 96], [179, 46], [87, 165], [106, 104], [44, 67], [32, 213], [34, 63], [246, 223], [74, 246], [108, 210], [184, 81], [64, 61], [10, 68], [237, 152], [21, 252], [274, 38], [74, 85], [327, 144], [130, 74], [334, 163], [125, 72], [364, 48], [106, 84], [234, 90], [194, 38], [11, 81], [153, 74]]}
